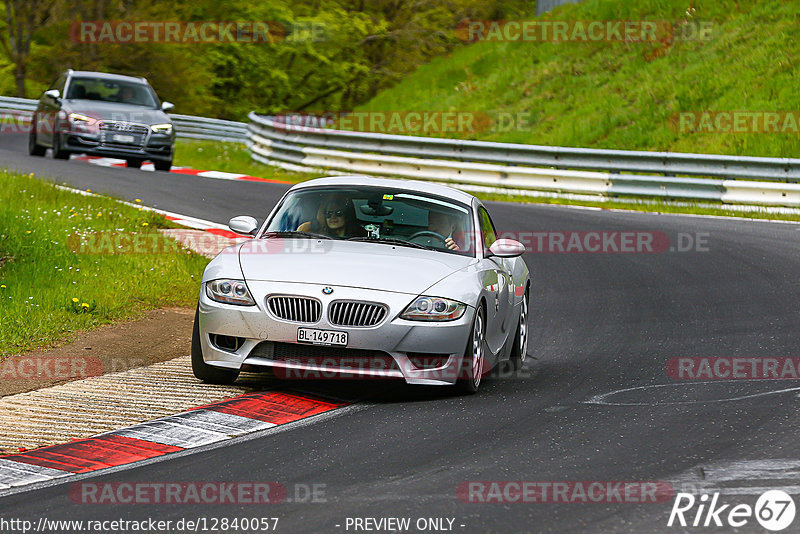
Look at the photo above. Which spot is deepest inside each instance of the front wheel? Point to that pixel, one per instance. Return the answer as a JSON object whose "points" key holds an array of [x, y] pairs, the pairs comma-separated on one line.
{"points": [[203, 371], [34, 148], [472, 364], [58, 152], [162, 165]]}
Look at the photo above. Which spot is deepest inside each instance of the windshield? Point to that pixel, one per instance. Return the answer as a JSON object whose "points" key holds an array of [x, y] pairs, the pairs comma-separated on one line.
{"points": [[393, 216], [105, 90]]}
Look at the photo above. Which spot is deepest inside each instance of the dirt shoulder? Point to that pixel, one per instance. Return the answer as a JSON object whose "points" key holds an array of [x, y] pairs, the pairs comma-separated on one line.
{"points": [[159, 335]]}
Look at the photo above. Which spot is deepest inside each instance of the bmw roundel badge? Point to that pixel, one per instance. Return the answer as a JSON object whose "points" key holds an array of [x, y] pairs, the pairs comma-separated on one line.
{"points": [[327, 290]]}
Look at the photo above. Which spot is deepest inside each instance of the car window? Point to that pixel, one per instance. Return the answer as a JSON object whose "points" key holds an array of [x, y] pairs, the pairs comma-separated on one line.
{"points": [[105, 90], [370, 213], [488, 231]]}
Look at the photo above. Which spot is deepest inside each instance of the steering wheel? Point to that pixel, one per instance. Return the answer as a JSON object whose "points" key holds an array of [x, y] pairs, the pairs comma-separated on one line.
{"points": [[429, 233]]}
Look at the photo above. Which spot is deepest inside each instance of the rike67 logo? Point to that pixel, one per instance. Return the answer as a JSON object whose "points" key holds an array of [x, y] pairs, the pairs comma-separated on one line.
{"points": [[774, 510]]}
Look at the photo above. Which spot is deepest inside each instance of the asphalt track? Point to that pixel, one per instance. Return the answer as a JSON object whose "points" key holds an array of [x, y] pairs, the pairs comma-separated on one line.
{"points": [[601, 322]]}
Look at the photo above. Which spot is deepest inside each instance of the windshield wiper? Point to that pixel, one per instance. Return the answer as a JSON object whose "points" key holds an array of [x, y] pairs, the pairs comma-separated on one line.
{"points": [[296, 233], [393, 241]]}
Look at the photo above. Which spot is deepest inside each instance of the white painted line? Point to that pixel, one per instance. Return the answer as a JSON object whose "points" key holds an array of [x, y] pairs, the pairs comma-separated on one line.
{"points": [[199, 224], [19, 474], [602, 399], [737, 477]]}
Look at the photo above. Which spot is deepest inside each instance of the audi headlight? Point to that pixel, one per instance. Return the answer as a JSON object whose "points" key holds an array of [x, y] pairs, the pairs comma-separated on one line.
{"points": [[81, 121], [434, 309], [162, 128], [229, 292]]}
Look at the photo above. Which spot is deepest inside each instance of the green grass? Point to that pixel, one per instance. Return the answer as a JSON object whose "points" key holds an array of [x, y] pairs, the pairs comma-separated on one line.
{"points": [[625, 95], [41, 274], [230, 157]]}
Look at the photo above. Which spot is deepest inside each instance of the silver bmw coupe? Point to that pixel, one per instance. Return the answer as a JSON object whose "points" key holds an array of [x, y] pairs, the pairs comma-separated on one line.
{"points": [[361, 277]]}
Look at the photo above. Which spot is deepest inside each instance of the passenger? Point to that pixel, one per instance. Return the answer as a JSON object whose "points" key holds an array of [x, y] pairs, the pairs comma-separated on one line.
{"points": [[444, 225], [336, 217]]}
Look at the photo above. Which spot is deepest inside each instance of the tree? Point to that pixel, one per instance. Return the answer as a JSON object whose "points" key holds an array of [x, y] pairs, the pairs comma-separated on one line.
{"points": [[22, 18]]}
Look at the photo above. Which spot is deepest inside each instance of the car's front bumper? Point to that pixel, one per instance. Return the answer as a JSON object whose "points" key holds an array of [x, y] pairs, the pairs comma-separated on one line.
{"points": [[401, 343], [150, 146]]}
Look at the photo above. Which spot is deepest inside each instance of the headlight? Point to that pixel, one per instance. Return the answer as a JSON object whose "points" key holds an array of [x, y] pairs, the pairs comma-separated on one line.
{"points": [[76, 119], [434, 309], [229, 292], [162, 128]]}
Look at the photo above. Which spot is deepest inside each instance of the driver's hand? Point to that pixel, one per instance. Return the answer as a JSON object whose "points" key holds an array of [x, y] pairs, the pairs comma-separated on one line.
{"points": [[449, 243]]}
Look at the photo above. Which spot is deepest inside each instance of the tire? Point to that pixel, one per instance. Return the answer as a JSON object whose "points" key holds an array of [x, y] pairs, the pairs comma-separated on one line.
{"points": [[520, 348], [133, 163], [34, 148], [471, 371], [58, 152], [203, 371], [162, 165]]}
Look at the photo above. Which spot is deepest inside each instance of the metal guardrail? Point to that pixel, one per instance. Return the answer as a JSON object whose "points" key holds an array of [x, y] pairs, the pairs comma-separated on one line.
{"points": [[187, 126], [204, 128], [504, 165]]}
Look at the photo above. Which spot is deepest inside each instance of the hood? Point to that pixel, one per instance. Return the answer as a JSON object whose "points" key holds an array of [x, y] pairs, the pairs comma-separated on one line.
{"points": [[347, 263], [117, 111]]}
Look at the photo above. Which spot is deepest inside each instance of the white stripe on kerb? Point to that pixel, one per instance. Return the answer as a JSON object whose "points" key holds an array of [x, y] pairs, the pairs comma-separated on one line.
{"points": [[232, 425], [19, 474], [219, 175], [168, 432]]}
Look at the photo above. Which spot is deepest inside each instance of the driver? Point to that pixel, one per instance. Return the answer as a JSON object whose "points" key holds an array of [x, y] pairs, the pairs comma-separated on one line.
{"points": [[126, 94], [445, 226]]}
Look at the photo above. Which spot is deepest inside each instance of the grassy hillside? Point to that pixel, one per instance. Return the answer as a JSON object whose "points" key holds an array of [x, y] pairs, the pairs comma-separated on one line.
{"points": [[626, 95]]}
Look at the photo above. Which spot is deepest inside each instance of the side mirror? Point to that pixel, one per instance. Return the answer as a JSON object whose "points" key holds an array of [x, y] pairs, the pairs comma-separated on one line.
{"points": [[507, 248], [167, 106], [53, 93], [244, 224]]}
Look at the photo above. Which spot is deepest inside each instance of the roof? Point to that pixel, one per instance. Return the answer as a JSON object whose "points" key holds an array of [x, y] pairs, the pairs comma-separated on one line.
{"points": [[414, 185], [108, 76]]}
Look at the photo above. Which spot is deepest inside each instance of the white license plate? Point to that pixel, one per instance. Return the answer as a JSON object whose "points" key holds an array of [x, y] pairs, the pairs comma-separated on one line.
{"points": [[321, 337], [122, 138]]}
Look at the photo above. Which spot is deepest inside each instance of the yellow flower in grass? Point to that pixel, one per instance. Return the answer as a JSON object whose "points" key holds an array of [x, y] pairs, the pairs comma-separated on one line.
{"points": [[84, 305], [3, 286], [74, 299], [145, 224]]}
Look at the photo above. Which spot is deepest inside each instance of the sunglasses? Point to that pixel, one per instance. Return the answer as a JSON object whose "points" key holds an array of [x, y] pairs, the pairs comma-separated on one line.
{"points": [[334, 213]]}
